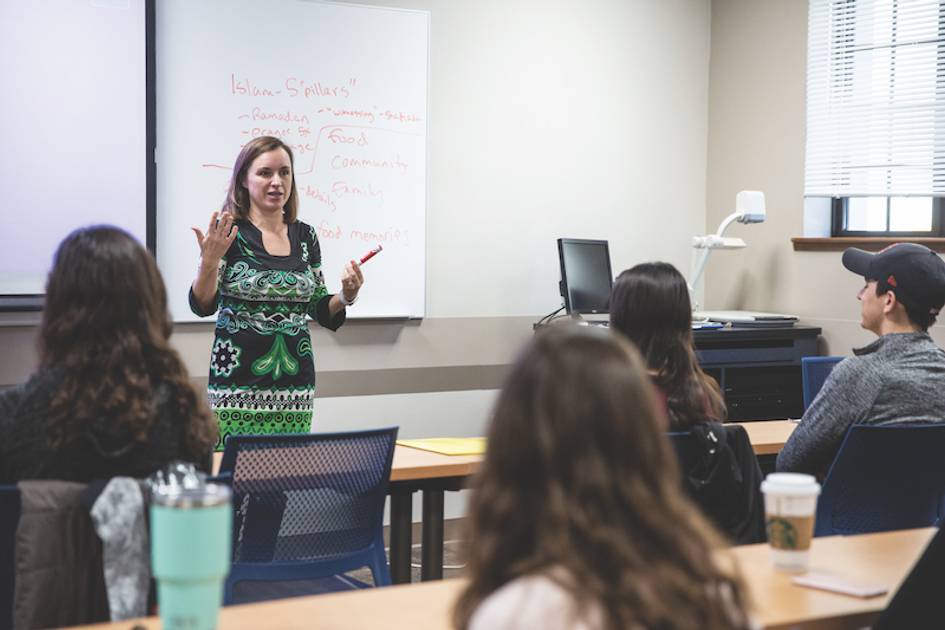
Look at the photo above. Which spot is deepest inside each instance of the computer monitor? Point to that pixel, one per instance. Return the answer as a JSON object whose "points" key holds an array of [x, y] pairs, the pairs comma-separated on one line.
{"points": [[586, 279]]}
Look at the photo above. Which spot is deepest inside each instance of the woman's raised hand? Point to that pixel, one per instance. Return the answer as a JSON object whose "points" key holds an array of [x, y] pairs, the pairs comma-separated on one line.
{"points": [[220, 235]]}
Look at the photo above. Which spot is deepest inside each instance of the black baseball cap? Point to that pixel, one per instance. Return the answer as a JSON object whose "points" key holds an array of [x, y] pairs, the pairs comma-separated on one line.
{"points": [[913, 272]]}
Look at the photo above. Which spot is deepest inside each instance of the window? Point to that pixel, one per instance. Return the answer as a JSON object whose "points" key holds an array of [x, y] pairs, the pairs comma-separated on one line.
{"points": [[876, 115], [887, 216]]}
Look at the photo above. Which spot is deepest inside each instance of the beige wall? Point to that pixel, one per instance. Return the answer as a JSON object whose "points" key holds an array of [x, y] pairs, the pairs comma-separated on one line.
{"points": [[757, 77]]}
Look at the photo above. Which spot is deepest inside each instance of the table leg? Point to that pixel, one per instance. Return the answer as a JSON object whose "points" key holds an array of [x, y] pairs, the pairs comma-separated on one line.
{"points": [[431, 554], [401, 540]]}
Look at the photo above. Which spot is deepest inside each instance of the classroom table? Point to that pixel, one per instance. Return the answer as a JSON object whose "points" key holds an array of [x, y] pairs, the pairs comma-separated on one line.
{"points": [[433, 474], [883, 558], [415, 470], [768, 437]]}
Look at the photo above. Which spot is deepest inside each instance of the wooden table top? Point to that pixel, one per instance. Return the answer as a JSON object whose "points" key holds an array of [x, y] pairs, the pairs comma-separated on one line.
{"points": [[413, 463], [883, 558], [410, 464], [768, 437]]}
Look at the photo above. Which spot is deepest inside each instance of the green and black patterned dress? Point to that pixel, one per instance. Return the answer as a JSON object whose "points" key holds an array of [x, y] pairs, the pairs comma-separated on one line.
{"points": [[262, 372]]}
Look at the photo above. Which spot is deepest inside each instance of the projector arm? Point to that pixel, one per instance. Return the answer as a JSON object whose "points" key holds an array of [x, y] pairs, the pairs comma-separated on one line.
{"points": [[749, 208], [714, 241]]}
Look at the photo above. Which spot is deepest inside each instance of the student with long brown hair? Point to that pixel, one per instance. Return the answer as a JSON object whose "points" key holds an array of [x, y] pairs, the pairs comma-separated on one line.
{"points": [[577, 519], [650, 306], [111, 396]]}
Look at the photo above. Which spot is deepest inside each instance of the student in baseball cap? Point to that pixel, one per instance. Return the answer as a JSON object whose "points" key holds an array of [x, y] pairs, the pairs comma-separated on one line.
{"points": [[900, 377], [904, 273]]}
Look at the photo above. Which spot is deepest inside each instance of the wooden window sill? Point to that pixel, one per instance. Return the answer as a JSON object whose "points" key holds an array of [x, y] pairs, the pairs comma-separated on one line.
{"points": [[871, 243]]}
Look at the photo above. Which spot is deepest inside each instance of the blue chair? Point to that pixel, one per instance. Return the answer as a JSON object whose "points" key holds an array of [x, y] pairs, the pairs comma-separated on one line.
{"points": [[884, 478], [9, 518], [307, 507], [814, 371]]}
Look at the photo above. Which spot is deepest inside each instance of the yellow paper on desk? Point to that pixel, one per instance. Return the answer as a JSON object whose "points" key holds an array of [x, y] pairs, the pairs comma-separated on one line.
{"points": [[449, 446]]}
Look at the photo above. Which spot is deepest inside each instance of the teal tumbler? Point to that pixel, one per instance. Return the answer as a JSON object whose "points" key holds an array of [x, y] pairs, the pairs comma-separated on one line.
{"points": [[190, 554]]}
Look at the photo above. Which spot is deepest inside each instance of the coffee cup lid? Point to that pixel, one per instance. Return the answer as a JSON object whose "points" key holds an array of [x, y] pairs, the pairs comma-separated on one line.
{"points": [[791, 483]]}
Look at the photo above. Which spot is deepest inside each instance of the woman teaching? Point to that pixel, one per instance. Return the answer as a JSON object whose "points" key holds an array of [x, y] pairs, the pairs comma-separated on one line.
{"points": [[260, 267]]}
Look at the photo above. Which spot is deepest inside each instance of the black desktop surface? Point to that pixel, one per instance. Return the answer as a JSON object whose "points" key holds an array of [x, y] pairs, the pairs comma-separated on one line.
{"points": [[758, 369], [710, 337]]}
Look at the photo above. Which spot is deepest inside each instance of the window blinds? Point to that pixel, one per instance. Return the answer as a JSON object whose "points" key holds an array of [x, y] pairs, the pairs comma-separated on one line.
{"points": [[875, 98]]}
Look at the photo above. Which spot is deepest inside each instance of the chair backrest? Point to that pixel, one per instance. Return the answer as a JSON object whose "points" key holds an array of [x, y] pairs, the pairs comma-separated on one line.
{"points": [[9, 518], [684, 446], [814, 371], [725, 484], [308, 505], [883, 478]]}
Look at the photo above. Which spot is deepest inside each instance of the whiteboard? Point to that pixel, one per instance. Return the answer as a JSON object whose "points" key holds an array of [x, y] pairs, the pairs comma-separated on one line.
{"points": [[344, 85], [76, 144]]}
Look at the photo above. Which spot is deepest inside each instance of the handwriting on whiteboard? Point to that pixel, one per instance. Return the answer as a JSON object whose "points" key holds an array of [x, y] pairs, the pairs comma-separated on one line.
{"points": [[357, 163], [292, 87]]}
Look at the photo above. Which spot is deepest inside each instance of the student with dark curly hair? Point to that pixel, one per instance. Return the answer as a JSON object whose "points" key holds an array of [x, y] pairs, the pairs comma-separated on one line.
{"points": [[111, 397], [577, 519]]}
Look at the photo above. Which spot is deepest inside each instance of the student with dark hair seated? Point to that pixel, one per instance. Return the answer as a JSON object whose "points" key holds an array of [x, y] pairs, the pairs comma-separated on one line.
{"points": [[577, 519], [900, 377], [111, 396], [650, 306]]}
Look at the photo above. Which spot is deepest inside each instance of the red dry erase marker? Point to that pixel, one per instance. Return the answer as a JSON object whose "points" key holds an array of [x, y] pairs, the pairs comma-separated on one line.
{"points": [[371, 254]]}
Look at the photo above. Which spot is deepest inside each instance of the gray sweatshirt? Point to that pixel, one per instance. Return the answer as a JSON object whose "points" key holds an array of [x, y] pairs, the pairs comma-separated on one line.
{"points": [[899, 378]]}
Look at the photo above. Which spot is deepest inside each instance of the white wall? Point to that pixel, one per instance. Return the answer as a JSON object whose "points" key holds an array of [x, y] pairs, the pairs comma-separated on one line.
{"points": [[560, 118]]}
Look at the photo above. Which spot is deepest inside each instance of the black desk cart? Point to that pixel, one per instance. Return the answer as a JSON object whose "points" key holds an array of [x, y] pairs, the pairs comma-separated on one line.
{"points": [[759, 369]]}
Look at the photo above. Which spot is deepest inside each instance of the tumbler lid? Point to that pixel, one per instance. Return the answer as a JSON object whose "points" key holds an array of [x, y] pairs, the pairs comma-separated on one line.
{"points": [[179, 485]]}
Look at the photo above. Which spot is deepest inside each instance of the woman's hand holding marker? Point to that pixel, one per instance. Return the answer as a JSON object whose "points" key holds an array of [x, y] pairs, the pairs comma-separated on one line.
{"points": [[352, 278], [371, 254]]}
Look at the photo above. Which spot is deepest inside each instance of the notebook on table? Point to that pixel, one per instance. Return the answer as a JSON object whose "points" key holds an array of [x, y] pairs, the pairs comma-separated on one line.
{"points": [[448, 446]]}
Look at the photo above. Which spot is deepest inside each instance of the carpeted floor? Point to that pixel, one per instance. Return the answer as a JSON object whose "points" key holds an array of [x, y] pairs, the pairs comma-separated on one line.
{"points": [[452, 563]]}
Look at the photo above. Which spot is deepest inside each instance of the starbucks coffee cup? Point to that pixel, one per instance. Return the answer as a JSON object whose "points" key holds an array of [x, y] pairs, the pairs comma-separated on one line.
{"points": [[790, 507]]}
